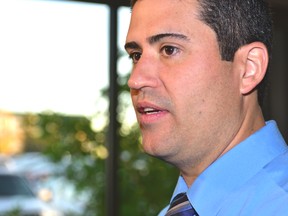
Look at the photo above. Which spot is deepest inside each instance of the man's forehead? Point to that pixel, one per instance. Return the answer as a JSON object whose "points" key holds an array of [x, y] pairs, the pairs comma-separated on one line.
{"points": [[150, 19], [163, 10]]}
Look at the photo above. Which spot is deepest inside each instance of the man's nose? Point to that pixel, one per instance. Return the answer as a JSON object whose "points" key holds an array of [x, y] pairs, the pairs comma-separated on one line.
{"points": [[144, 74]]}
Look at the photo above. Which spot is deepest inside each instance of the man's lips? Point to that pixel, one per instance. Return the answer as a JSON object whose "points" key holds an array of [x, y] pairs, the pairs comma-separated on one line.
{"points": [[148, 109], [149, 113]]}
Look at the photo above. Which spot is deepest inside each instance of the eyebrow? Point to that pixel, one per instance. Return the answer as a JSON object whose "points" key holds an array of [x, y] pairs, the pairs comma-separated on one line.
{"points": [[131, 45], [156, 38]]}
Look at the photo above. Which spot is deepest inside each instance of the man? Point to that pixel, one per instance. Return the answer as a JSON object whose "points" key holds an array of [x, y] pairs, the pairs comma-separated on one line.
{"points": [[198, 67]]}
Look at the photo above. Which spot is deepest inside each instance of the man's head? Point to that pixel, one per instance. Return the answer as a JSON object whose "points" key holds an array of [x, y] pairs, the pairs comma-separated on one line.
{"points": [[236, 23], [192, 92]]}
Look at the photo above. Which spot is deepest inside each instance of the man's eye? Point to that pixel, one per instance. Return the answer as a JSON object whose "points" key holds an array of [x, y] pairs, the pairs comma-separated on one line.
{"points": [[135, 56], [169, 50]]}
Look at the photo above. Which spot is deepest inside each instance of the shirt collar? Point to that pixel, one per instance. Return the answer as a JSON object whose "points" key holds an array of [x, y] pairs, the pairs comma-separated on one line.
{"points": [[233, 169]]}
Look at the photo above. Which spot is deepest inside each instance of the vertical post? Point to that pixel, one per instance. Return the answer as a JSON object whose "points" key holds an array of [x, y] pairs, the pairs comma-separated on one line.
{"points": [[112, 208]]}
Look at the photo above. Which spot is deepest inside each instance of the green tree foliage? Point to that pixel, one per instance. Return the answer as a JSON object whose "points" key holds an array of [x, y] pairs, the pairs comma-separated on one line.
{"points": [[72, 139], [14, 212], [146, 183]]}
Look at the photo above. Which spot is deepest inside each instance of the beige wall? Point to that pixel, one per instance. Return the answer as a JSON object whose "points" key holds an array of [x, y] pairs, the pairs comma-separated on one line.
{"points": [[11, 134]]}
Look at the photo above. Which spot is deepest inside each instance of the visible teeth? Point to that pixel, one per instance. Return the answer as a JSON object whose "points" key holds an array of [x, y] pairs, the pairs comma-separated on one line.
{"points": [[150, 110]]}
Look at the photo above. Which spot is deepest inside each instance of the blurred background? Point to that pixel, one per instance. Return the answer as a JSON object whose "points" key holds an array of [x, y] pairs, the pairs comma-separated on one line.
{"points": [[69, 141]]}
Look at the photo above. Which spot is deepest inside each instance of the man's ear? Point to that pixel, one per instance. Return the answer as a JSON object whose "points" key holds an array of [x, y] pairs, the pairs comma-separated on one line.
{"points": [[254, 58]]}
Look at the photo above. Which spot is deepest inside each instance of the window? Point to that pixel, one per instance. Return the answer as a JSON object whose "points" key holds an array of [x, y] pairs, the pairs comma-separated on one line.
{"points": [[54, 56]]}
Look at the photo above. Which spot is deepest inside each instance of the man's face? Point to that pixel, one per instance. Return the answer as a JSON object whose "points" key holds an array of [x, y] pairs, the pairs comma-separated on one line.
{"points": [[187, 100]]}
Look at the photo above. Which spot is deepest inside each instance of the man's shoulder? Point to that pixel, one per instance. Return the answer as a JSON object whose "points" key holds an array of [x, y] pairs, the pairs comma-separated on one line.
{"points": [[277, 170], [265, 194], [270, 183]]}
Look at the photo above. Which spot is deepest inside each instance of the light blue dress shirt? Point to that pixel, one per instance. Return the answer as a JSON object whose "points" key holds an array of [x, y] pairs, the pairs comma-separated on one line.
{"points": [[249, 180]]}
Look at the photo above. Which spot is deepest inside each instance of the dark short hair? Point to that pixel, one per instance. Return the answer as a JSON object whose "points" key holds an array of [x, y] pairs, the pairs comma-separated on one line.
{"points": [[236, 23]]}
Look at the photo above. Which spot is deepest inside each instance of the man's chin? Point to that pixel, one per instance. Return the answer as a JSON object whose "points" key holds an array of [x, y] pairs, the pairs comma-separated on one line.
{"points": [[156, 151]]}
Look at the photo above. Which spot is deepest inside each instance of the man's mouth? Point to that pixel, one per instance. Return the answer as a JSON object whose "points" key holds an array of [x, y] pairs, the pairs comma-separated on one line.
{"points": [[148, 111]]}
